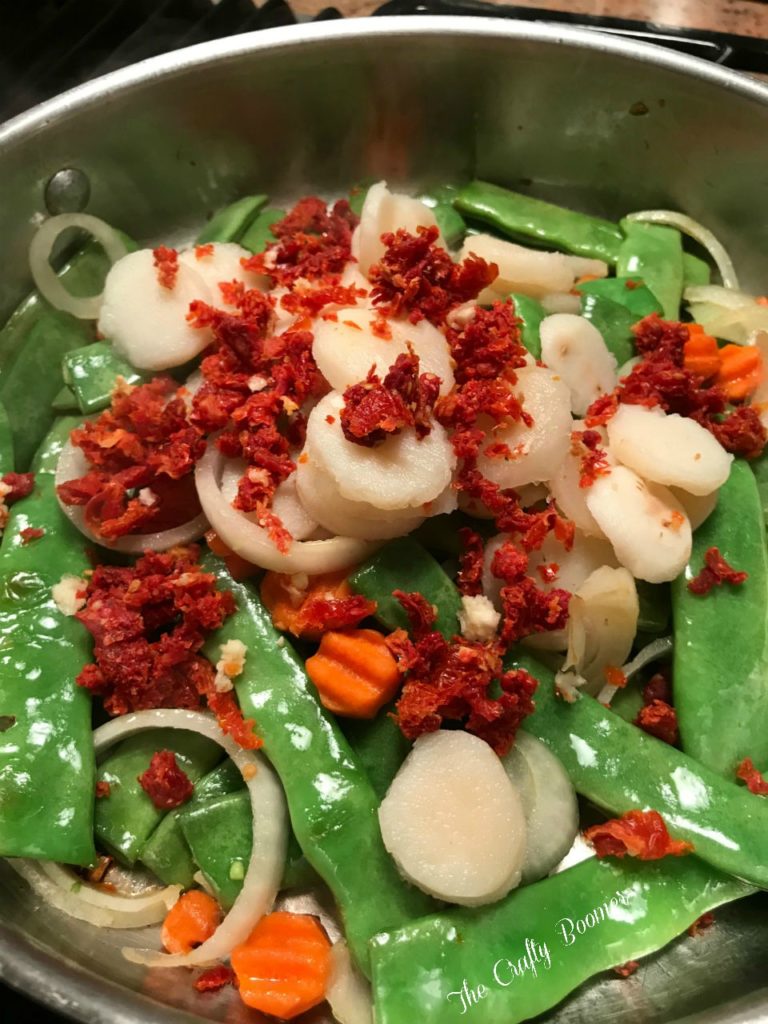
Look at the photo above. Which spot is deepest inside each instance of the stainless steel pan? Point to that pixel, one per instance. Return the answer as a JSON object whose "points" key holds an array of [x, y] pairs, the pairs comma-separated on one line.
{"points": [[594, 122]]}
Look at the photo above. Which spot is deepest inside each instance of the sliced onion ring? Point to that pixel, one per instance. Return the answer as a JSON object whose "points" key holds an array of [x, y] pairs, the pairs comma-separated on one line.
{"points": [[48, 282], [270, 833], [688, 226], [252, 542], [653, 651], [73, 464], [65, 891]]}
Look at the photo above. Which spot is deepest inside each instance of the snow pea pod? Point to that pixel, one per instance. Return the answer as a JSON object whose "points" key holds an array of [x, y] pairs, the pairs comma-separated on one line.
{"points": [[760, 469], [125, 819], [515, 959], [530, 313], [614, 322], [619, 767], [91, 372], [229, 224], [380, 746], [46, 749], [405, 565], [257, 235], [441, 533], [721, 688], [452, 225], [220, 835], [655, 609], [65, 401], [7, 461], [522, 216], [332, 804], [626, 291], [167, 852], [696, 272], [654, 254]]}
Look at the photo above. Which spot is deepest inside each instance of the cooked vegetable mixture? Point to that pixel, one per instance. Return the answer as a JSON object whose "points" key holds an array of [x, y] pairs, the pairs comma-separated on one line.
{"points": [[344, 551]]}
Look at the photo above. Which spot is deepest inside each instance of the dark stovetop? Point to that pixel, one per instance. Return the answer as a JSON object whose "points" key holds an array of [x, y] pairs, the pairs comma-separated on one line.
{"points": [[74, 40]]}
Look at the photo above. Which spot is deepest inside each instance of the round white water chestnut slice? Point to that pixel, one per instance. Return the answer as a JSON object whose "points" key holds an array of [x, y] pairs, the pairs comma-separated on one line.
{"points": [[602, 624], [574, 349], [222, 264], [400, 473], [454, 822], [345, 349], [529, 271], [146, 322], [668, 449], [535, 452], [645, 523], [384, 211]]}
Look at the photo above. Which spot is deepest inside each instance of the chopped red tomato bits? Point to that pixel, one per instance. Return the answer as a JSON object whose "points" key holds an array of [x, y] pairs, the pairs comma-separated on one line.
{"points": [[659, 719], [21, 486], [103, 790], [137, 449], [312, 243], [306, 301], [166, 785], [526, 609], [701, 924], [586, 445], [149, 622], [214, 978], [662, 379], [753, 778], [167, 265], [421, 614], [640, 834], [626, 970], [415, 276], [375, 409], [469, 579], [30, 533], [716, 571]]}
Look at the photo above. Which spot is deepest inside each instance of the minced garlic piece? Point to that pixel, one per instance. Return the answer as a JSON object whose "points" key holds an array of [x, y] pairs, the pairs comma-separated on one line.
{"points": [[230, 664], [478, 619], [65, 594]]}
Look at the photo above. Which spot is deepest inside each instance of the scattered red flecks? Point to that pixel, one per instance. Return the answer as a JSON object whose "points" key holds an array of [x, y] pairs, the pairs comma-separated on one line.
{"points": [[641, 834], [167, 265], [489, 346], [21, 486], [307, 301], [376, 409], [103, 790], [614, 677], [30, 533], [166, 785], [452, 681], [526, 608], [628, 969], [312, 243], [657, 688], [586, 445], [469, 579], [144, 443], [149, 622], [659, 719], [214, 978], [203, 251], [380, 328], [417, 277], [661, 379], [701, 924], [549, 572], [421, 614], [747, 772], [715, 572]]}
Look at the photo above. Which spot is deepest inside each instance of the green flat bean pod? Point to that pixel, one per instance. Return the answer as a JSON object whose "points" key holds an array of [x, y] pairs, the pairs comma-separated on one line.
{"points": [[721, 688], [257, 236], [655, 255], [229, 224]]}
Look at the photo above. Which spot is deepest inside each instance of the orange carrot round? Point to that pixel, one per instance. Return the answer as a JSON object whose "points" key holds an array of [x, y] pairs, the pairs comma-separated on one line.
{"points": [[700, 353], [741, 370], [354, 672], [239, 568], [191, 920], [283, 966]]}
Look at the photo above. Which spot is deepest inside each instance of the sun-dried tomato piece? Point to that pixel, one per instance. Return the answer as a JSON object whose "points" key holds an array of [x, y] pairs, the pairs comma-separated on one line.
{"points": [[701, 924], [593, 458], [30, 533], [417, 277], [626, 970], [454, 682], [313, 243], [421, 614], [526, 608], [334, 613], [659, 719], [641, 834], [741, 433], [203, 251], [21, 486], [167, 265], [715, 572], [214, 978], [165, 783], [103, 790], [657, 688], [309, 301], [489, 345], [747, 772], [376, 409], [469, 578]]}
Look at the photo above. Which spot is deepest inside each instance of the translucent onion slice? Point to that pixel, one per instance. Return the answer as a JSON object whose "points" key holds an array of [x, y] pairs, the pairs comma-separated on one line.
{"points": [[62, 889], [48, 282], [731, 315], [688, 226], [73, 464], [348, 993], [654, 651], [270, 833], [252, 542]]}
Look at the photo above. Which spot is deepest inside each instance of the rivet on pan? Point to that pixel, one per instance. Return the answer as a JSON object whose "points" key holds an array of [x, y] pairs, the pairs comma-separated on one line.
{"points": [[67, 191]]}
